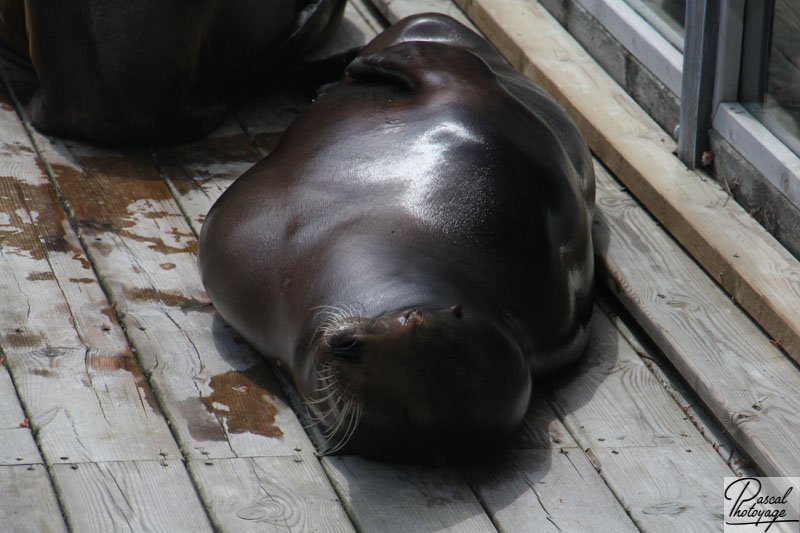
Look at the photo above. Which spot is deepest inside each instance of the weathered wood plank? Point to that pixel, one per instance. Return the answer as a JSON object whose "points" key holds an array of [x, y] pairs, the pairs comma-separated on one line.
{"points": [[686, 398], [731, 246], [612, 398], [59, 333], [82, 389], [554, 489], [385, 498], [145, 253], [221, 398], [130, 496], [17, 446], [660, 492], [544, 482], [748, 384], [28, 504], [254, 495], [613, 403]]}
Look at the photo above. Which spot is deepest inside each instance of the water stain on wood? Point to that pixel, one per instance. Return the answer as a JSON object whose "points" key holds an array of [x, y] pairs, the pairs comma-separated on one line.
{"points": [[186, 164], [109, 313], [241, 402], [34, 222], [158, 244], [82, 280], [41, 276], [201, 423], [19, 338], [170, 299], [106, 364], [44, 372]]}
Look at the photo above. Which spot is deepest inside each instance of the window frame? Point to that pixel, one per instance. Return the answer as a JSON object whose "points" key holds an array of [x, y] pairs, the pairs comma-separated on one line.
{"points": [[770, 156]]}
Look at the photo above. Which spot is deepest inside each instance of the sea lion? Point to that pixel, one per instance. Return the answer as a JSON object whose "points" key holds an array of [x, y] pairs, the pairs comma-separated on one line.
{"points": [[416, 248], [117, 71]]}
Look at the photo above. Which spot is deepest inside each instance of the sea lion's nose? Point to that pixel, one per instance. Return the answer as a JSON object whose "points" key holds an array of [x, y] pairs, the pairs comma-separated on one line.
{"points": [[412, 317]]}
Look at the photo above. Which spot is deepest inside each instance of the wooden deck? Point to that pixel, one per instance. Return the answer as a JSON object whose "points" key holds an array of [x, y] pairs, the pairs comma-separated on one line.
{"points": [[127, 404]]}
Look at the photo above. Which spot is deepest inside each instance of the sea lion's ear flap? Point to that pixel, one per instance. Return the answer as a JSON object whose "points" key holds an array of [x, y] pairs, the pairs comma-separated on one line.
{"points": [[401, 65]]}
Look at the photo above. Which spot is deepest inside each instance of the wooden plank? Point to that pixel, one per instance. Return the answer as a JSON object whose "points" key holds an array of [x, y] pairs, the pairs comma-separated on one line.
{"points": [[221, 400], [29, 503], [130, 496], [554, 489], [613, 399], [254, 495], [386, 498], [688, 401], [543, 481], [689, 499], [73, 369], [81, 387], [17, 446], [746, 382], [739, 254], [145, 253], [613, 406]]}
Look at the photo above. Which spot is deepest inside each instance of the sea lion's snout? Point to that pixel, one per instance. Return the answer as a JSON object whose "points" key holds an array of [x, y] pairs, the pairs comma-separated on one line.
{"points": [[426, 384]]}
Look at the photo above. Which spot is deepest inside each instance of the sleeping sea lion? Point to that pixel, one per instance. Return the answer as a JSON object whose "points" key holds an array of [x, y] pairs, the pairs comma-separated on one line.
{"points": [[416, 249]]}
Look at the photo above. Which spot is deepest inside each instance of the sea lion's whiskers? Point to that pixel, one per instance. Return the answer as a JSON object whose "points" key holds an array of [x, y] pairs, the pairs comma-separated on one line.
{"points": [[355, 418]]}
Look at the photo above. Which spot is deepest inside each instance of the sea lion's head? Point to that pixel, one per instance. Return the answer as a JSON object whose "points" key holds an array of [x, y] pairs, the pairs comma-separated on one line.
{"points": [[417, 385]]}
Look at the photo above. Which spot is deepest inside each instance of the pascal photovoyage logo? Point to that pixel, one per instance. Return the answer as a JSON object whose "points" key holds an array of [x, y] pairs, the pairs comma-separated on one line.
{"points": [[759, 504]]}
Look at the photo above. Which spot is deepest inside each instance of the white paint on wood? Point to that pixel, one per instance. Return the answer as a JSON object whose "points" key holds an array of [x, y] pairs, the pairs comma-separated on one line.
{"points": [[130, 496], [280, 494], [71, 363]]}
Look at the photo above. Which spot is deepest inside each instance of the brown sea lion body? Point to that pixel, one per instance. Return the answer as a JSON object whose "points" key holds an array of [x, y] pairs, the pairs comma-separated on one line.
{"points": [[416, 248], [121, 71]]}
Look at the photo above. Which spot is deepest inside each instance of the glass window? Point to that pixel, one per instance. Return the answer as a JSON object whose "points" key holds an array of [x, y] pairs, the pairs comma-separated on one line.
{"points": [[666, 16], [775, 101]]}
